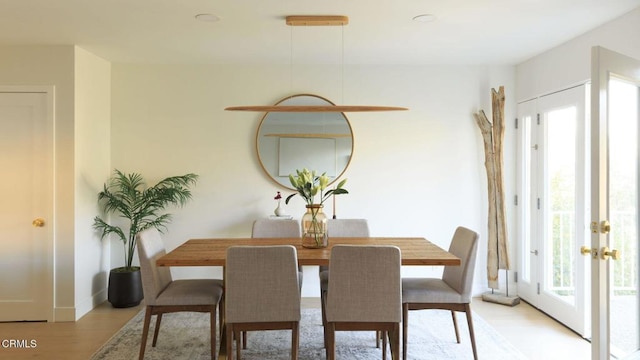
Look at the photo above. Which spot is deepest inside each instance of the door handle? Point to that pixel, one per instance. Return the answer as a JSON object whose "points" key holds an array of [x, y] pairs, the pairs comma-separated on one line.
{"points": [[585, 250], [607, 253], [39, 222], [535, 252]]}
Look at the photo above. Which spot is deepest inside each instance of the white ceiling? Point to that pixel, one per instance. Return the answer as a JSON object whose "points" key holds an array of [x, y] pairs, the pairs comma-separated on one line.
{"points": [[254, 31]]}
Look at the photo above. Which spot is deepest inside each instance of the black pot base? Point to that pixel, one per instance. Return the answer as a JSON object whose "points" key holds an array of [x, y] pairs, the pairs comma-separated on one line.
{"points": [[125, 288]]}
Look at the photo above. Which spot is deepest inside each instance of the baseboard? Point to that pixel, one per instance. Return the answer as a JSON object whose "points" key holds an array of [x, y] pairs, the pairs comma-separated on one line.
{"points": [[83, 307], [64, 314]]}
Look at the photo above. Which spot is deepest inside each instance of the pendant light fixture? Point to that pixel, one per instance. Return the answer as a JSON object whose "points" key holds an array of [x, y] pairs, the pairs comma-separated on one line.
{"points": [[316, 20]]}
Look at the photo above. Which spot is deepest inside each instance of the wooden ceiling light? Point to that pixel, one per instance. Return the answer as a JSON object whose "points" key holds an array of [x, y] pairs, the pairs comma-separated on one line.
{"points": [[315, 20]]}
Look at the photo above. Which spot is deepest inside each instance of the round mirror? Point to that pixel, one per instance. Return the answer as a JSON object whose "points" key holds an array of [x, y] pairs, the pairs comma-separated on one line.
{"points": [[287, 141]]}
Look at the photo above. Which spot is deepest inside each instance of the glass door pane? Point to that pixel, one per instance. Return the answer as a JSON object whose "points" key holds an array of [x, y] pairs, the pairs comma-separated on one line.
{"points": [[623, 212], [562, 207], [560, 182]]}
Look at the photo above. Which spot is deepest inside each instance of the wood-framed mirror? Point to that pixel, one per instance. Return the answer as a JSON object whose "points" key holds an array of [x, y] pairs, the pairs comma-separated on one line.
{"points": [[320, 141]]}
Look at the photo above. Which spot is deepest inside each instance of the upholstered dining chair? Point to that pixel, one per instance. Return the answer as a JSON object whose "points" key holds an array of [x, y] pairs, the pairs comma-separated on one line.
{"points": [[364, 294], [286, 228], [262, 293], [164, 295], [337, 228], [451, 292], [275, 228]]}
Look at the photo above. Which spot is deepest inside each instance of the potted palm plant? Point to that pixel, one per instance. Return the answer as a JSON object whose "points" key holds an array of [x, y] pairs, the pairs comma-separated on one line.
{"points": [[128, 196]]}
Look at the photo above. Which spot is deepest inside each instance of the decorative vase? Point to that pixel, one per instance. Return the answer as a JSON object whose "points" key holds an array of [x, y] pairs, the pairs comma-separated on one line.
{"points": [[314, 227], [279, 211]]}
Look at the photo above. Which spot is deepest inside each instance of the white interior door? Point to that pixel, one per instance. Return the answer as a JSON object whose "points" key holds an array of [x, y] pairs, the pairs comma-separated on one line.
{"points": [[553, 183], [615, 100], [26, 188], [527, 204]]}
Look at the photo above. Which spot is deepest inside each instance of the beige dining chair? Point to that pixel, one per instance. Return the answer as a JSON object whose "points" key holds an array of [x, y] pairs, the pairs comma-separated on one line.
{"points": [[280, 228], [364, 294], [337, 228], [262, 293], [276, 228], [164, 295], [451, 292]]}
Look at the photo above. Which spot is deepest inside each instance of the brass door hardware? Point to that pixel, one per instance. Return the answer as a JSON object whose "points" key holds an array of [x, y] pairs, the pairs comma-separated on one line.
{"points": [[585, 250], [604, 227], [606, 253], [39, 222]]}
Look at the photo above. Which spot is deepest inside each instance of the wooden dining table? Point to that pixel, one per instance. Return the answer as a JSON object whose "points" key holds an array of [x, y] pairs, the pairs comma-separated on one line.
{"points": [[213, 252]]}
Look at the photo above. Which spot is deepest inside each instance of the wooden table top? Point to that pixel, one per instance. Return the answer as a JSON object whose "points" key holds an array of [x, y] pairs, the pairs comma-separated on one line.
{"points": [[212, 252]]}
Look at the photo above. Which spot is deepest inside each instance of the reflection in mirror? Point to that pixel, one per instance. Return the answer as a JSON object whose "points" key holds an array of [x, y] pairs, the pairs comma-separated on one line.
{"points": [[296, 140]]}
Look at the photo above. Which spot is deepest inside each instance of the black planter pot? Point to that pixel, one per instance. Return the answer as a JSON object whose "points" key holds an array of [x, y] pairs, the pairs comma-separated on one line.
{"points": [[125, 287]]}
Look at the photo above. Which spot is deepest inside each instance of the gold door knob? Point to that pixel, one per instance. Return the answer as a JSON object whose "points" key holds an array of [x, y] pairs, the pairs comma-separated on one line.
{"points": [[585, 250], [607, 253], [38, 222]]}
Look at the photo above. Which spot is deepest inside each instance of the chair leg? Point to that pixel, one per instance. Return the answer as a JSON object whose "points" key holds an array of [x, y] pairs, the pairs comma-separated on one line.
{"points": [[238, 335], [145, 332], [323, 307], [244, 340], [213, 332], [221, 309], [331, 341], [230, 339], [157, 330], [295, 340], [455, 326], [378, 337], [384, 344], [405, 327], [467, 309], [394, 342]]}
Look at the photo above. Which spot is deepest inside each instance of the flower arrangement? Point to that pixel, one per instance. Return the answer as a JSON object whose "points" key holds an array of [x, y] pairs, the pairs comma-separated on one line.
{"points": [[308, 185], [278, 211], [314, 222]]}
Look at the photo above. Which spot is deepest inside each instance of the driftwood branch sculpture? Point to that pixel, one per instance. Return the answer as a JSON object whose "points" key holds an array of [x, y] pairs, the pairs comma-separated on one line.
{"points": [[493, 138]]}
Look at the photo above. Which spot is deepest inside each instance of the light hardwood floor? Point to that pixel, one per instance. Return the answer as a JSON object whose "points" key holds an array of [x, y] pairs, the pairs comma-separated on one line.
{"points": [[534, 333]]}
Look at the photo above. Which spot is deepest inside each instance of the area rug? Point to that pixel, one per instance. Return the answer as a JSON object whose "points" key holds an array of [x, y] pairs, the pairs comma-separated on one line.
{"points": [[431, 336]]}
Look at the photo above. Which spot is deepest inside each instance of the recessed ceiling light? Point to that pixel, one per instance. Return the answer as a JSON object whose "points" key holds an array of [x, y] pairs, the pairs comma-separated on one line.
{"points": [[207, 17], [425, 18]]}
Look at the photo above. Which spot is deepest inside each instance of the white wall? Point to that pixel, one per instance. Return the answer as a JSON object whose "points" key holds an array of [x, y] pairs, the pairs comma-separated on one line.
{"points": [[414, 173], [92, 167], [570, 63], [82, 115], [53, 65]]}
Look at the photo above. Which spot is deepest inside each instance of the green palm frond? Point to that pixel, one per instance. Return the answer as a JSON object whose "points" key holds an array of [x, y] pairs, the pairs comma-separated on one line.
{"points": [[127, 196]]}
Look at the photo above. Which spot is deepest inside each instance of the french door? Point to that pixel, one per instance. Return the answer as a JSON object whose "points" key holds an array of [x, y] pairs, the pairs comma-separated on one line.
{"points": [[552, 202], [613, 249]]}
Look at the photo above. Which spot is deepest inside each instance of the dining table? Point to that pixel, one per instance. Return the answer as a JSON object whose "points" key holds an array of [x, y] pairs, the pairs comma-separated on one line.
{"points": [[213, 252]]}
